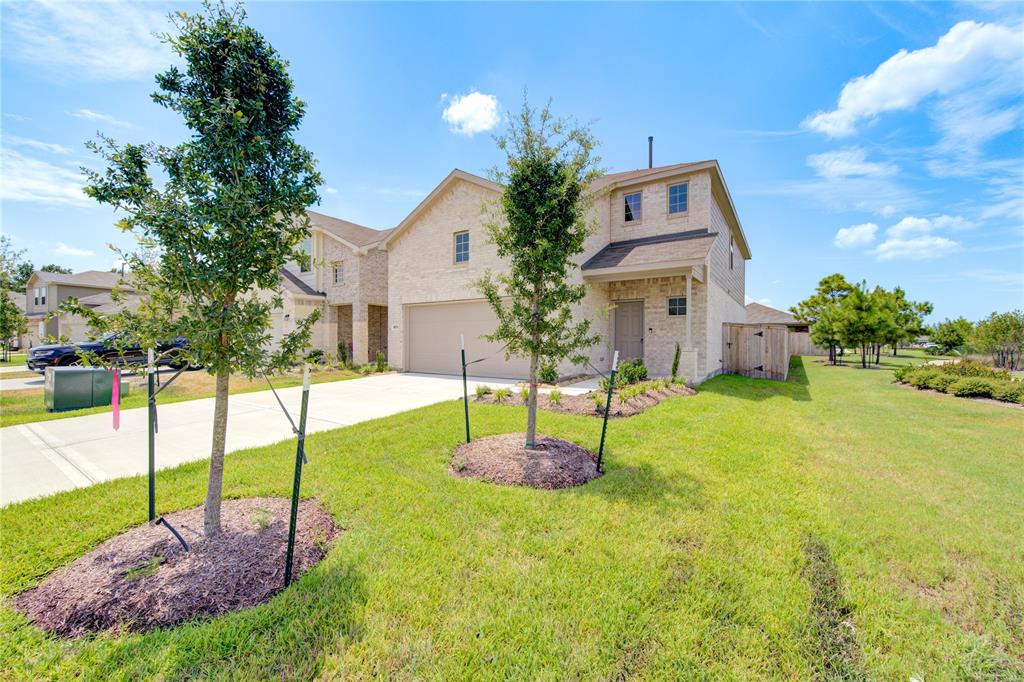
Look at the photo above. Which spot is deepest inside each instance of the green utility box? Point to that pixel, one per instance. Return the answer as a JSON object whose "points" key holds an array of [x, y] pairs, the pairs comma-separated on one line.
{"points": [[75, 388]]}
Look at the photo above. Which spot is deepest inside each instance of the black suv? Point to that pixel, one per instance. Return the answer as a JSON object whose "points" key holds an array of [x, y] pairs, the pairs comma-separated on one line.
{"points": [[41, 357]]}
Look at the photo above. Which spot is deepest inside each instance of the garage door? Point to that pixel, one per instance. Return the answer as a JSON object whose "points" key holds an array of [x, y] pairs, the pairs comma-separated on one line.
{"points": [[433, 341]]}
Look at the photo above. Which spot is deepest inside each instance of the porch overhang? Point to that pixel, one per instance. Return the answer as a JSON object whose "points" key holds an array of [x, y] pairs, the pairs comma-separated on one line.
{"points": [[679, 253]]}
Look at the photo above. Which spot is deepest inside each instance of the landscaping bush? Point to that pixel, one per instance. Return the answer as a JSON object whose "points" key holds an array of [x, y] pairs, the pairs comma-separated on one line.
{"points": [[1011, 392], [382, 363], [939, 381], [343, 356], [599, 400], [902, 374], [675, 362], [548, 373], [482, 390], [973, 368], [974, 387], [501, 394], [632, 371], [922, 376], [316, 355], [524, 393], [555, 397]]}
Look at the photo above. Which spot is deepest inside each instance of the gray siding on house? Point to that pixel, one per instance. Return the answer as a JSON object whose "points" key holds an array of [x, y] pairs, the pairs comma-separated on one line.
{"points": [[731, 280]]}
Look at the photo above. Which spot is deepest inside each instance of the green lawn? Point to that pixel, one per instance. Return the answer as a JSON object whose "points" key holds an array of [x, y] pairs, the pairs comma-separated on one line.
{"points": [[26, 405], [833, 526]]}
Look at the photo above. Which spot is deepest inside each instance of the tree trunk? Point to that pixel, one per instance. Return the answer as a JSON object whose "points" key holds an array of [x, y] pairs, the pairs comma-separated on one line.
{"points": [[531, 402], [211, 511], [864, 356]]}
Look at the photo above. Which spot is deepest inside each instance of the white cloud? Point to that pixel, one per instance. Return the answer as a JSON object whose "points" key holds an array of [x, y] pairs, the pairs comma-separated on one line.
{"points": [[912, 225], [762, 301], [969, 54], [62, 249], [888, 211], [103, 41], [331, 190], [471, 113], [90, 115], [845, 163], [924, 247], [856, 235], [28, 179], [36, 144]]}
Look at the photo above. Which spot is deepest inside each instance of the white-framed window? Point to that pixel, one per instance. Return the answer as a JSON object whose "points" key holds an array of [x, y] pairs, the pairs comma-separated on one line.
{"points": [[35, 296], [306, 259], [42, 296], [462, 247], [339, 272], [676, 306], [633, 207], [678, 198]]}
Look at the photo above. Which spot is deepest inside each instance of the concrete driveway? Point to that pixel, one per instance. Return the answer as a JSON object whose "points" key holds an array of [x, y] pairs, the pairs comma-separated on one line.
{"points": [[43, 458]]}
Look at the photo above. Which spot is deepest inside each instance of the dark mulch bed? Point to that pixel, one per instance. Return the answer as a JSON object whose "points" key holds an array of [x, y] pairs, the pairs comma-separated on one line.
{"points": [[143, 579], [504, 460], [584, 404]]}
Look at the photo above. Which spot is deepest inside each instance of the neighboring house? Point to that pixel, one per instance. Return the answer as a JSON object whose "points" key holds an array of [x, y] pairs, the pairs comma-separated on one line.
{"points": [[45, 291], [21, 341], [665, 265], [345, 275], [762, 314]]}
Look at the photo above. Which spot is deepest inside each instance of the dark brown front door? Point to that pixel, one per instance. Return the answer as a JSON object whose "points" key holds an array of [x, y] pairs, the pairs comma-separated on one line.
{"points": [[629, 329]]}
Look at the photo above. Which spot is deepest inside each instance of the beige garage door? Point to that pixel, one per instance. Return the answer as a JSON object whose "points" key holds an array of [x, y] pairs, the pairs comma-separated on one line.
{"points": [[433, 341]]}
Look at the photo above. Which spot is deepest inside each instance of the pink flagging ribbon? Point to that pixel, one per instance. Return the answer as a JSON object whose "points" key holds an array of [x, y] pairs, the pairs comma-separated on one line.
{"points": [[115, 399]]}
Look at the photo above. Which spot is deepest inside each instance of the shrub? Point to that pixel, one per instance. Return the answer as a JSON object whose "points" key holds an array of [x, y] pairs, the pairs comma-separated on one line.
{"points": [[939, 381], [675, 362], [316, 355], [603, 384], [524, 393], [548, 373], [902, 374], [343, 356], [598, 399], [920, 378], [973, 368], [633, 371], [382, 362], [482, 390], [501, 394], [366, 370], [1010, 391], [974, 387], [555, 397]]}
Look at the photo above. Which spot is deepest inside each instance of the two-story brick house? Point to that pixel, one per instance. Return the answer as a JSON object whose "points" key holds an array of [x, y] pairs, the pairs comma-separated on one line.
{"points": [[664, 265]]}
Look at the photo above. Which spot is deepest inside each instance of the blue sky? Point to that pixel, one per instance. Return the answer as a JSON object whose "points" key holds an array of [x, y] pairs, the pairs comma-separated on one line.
{"points": [[883, 141]]}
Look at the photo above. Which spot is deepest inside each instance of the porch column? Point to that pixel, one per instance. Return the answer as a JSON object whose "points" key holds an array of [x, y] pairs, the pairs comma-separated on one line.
{"points": [[689, 308], [360, 333]]}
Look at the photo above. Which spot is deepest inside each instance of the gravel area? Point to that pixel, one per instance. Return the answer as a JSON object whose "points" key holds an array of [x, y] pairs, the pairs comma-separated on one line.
{"points": [[554, 463], [143, 579]]}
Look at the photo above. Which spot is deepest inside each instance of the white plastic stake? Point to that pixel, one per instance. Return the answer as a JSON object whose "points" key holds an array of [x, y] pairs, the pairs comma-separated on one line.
{"points": [[615, 361], [462, 341], [305, 377], [149, 357]]}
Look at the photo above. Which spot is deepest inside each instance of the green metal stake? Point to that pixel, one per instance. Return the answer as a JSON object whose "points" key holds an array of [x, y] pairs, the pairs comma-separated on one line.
{"points": [[465, 389], [150, 372], [607, 406], [299, 455]]}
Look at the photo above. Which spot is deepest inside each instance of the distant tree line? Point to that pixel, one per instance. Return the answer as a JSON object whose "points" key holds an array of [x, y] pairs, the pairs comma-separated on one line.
{"points": [[1000, 336], [844, 315]]}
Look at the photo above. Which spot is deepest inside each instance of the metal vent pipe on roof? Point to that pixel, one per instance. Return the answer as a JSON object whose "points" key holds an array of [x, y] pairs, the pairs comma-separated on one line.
{"points": [[650, 151]]}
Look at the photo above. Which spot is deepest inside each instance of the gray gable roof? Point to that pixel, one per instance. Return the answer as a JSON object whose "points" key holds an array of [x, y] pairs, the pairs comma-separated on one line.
{"points": [[690, 245]]}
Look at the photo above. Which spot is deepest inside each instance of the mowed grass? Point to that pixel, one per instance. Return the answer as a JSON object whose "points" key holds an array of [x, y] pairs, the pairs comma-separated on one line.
{"points": [[835, 526], [27, 405]]}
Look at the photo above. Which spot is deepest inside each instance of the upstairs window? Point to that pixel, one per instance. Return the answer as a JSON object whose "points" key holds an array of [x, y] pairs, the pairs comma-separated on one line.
{"points": [[678, 198], [462, 247], [35, 296], [339, 273], [42, 296], [306, 259], [633, 207], [677, 306]]}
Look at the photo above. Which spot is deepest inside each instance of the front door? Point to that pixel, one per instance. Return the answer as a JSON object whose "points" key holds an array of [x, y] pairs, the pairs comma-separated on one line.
{"points": [[629, 329]]}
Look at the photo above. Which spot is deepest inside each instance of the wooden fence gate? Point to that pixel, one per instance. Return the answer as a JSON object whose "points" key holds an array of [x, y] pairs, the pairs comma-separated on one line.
{"points": [[756, 350]]}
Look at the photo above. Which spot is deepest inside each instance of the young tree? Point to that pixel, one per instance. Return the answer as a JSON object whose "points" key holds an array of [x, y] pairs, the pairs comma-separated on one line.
{"points": [[860, 320], [227, 213], [951, 334], [550, 166], [12, 319], [907, 318], [824, 304], [1001, 335]]}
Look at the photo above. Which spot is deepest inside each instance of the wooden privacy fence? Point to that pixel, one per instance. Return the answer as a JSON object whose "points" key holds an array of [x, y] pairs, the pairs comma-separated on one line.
{"points": [[800, 344], [756, 350]]}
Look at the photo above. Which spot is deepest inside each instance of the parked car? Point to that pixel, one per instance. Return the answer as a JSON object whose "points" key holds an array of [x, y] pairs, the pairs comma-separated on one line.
{"points": [[59, 355]]}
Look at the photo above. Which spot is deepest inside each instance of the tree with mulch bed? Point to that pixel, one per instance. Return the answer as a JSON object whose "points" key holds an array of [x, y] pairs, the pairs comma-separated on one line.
{"points": [[541, 225], [225, 215]]}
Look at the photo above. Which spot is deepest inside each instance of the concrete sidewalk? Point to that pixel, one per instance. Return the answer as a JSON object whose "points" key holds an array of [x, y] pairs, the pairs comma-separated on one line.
{"points": [[43, 458]]}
